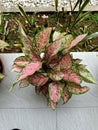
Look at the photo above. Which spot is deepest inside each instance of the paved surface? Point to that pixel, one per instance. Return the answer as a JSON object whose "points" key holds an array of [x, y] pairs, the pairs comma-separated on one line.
{"points": [[40, 5], [25, 110]]}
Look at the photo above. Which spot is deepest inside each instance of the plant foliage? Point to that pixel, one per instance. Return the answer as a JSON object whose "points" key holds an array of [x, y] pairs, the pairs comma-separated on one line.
{"points": [[48, 65]]}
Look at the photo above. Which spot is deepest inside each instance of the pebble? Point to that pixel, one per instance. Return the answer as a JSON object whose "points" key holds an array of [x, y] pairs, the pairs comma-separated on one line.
{"points": [[40, 3]]}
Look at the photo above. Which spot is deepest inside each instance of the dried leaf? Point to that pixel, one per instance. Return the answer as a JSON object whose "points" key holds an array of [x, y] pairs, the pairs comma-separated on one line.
{"points": [[3, 45]]}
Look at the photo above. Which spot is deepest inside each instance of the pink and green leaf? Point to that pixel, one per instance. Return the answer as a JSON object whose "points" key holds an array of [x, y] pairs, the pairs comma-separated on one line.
{"points": [[30, 69], [52, 49], [24, 83], [56, 75], [38, 79], [55, 91], [66, 95], [16, 68], [86, 76], [52, 104], [77, 89], [21, 61], [54, 61], [34, 57], [77, 40], [42, 39], [66, 62], [72, 77]]}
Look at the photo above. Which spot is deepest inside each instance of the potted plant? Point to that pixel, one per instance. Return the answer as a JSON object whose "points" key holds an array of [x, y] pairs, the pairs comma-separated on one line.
{"points": [[48, 65]]}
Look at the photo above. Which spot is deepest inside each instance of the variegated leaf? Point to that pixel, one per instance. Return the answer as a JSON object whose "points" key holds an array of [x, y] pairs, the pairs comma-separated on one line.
{"points": [[77, 40], [42, 39], [55, 91], [27, 42], [66, 62], [34, 57], [30, 69], [45, 90], [77, 89], [38, 79], [17, 68], [52, 49], [56, 75], [66, 95], [52, 104], [86, 76], [24, 83], [21, 61], [54, 61], [72, 77]]}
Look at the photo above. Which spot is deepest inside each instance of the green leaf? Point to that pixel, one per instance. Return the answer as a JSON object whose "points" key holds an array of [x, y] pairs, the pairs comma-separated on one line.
{"points": [[56, 75], [77, 89], [93, 35], [86, 76], [23, 13], [56, 5]]}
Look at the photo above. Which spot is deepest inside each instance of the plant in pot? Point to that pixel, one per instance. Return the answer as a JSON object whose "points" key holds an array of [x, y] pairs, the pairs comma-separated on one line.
{"points": [[49, 65]]}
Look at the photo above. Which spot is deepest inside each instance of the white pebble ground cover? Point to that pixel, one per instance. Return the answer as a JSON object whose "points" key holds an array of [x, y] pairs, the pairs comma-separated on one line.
{"points": [[39, 3]]}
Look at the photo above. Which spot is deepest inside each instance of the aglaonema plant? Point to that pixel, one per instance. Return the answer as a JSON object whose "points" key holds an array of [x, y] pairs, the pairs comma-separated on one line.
{"points": [[48, 65]]}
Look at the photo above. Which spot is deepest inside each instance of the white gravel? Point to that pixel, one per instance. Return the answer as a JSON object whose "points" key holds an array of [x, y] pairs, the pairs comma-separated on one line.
{"points": [[39, 3]]}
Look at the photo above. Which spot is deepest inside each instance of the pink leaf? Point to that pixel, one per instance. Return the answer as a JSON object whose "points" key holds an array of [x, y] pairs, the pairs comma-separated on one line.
{"points": [[70, 76], [21, 61], [77, 40], [34, 57], [66, 62], [42, 38], [38, 79], [52, 49], [55, 91], [30, 69]]}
